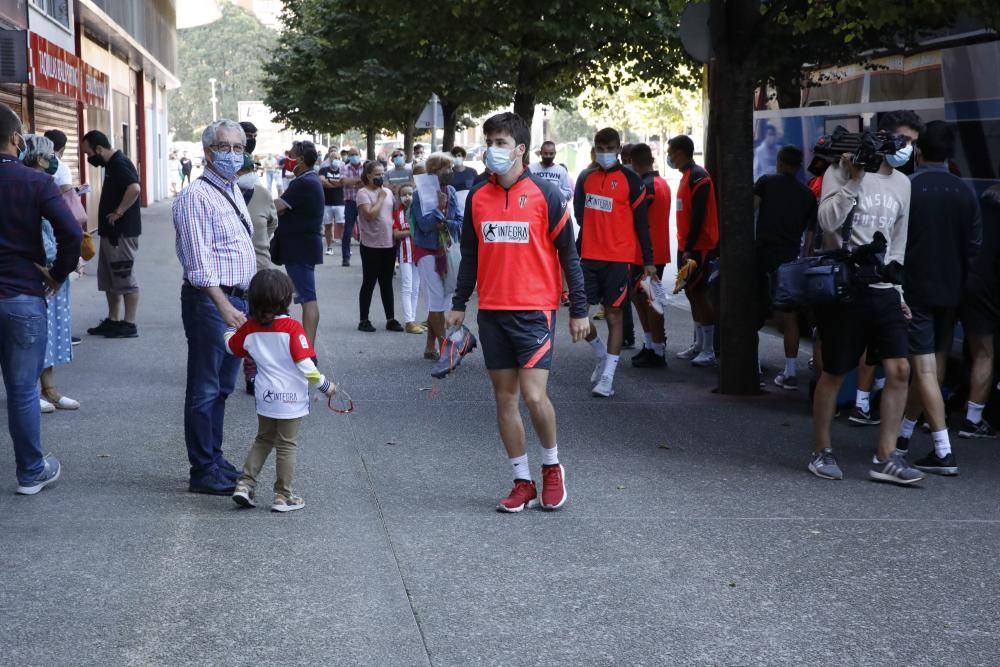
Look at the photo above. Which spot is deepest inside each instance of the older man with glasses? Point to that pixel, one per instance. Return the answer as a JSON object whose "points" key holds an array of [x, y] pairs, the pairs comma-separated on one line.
{"points": [[215, 248]]}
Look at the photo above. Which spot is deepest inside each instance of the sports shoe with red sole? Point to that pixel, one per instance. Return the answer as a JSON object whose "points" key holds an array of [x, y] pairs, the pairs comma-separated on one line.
{"points": [[553, 486], [522, 495]]}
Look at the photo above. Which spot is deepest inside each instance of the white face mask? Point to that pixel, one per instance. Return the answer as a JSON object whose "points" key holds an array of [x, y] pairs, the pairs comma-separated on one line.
{"points": [[247, 181], [459, 161]]}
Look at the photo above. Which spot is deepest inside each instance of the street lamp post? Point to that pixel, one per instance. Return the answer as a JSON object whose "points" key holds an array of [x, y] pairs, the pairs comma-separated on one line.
{"points": [[214, 101]]}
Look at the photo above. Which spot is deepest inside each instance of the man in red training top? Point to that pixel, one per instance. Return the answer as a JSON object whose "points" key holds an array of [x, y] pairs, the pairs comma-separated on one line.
{"points": [[516, 237], [610, 205], [653, 353], [697, 239]]}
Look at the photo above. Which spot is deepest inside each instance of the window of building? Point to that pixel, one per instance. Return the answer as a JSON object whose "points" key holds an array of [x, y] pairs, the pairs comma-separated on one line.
{"points": [[58, 10]]}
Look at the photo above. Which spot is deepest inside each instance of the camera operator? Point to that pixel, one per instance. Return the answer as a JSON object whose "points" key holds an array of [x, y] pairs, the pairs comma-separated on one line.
{"points": [[876, 318], [945, 231]]}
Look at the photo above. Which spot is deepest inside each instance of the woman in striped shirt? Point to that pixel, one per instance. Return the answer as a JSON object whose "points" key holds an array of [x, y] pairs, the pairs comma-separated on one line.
{"points": [[409, 277]]}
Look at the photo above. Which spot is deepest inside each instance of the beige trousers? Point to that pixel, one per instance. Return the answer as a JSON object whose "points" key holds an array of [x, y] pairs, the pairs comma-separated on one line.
{"points": [[278, 434]]}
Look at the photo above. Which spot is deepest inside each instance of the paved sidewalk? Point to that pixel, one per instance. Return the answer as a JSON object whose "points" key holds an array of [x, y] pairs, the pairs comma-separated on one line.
{"points": [[693, 534]]}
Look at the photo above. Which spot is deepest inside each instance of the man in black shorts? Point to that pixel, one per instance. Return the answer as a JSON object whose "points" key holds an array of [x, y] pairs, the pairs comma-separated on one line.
{"points": [[981, 317], [944, 235], [517, 242]]}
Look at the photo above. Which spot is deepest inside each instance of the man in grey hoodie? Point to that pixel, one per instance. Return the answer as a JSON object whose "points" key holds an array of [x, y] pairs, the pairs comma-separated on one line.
{"points": [[876, 318]]}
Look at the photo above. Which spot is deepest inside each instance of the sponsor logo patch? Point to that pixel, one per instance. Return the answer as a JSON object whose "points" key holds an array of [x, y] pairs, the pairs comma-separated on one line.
{"points": [[505, 231], [599, 203]]}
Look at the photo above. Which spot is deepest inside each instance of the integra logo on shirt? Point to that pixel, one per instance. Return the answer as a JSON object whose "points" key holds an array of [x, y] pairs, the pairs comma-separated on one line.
{"points": [[599, 203], [506, 232], [279, 397]]}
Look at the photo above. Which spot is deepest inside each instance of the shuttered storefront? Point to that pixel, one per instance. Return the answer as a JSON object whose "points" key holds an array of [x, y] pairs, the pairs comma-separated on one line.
{"points": [[55, 112], [10, 94]]}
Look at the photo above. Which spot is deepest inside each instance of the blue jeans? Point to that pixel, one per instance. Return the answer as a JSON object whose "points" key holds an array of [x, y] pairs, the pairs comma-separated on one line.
{"points": [[23, 337], [350, 218], [211, 378]]}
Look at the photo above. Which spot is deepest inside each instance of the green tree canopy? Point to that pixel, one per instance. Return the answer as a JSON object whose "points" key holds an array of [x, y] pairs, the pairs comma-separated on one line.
{"points": [[231, 51]]}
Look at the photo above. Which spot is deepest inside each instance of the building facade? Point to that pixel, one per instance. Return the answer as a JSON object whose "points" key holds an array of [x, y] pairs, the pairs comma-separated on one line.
{"points": [[81, 65]]}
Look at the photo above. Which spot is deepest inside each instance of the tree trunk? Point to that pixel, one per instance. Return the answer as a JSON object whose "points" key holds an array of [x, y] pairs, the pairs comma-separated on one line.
{"points": [[408, 133], [731, 91], [524, 106], [450, 112], [370, 135]]}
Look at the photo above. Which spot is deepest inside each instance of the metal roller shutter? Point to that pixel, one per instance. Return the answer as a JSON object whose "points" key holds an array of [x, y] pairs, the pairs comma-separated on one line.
{"points": [[10, 94], [53, 112]]}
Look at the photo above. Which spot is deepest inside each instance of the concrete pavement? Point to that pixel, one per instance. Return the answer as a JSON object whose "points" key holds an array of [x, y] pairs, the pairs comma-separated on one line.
{"points": [[693, 534]]}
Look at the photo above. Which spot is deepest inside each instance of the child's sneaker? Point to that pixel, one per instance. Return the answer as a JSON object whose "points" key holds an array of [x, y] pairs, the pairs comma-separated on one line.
{"points": [[287, 503], [244, 495]]}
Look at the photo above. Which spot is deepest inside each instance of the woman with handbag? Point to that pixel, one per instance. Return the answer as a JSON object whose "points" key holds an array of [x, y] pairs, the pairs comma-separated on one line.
{"points": [[40, 155]]}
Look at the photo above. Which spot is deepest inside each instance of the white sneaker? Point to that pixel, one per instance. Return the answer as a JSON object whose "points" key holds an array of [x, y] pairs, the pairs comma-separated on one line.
{"points": [[329, 251], [595, 377], [704, 359], [65, 403], [46, 406], [605, 388], [690, 353]]}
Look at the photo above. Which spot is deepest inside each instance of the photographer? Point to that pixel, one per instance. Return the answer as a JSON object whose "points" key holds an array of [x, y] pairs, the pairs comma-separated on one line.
{"points": [[944, 236], [876, 317]]}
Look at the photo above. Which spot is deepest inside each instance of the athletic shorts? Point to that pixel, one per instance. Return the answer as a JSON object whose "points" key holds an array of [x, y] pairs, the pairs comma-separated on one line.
{"points": [[606, 282], [931, 329], [304, 279], [698, 280], [981, 313], [639, 272], [333, 214], [873, 321], [115, 264], [517, 338]]}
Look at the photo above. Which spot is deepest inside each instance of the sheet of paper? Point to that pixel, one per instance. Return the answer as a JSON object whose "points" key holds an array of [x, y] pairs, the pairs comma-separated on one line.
{"points": [[428, 186], [462, 196]]}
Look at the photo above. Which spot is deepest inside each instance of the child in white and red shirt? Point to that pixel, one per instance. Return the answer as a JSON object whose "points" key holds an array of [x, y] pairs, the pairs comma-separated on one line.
{"points": [[285, 371], [409, 278]]}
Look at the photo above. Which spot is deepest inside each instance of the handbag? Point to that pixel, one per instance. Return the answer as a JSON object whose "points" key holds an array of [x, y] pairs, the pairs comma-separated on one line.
{"points": [[87, 249], [820, 279]]}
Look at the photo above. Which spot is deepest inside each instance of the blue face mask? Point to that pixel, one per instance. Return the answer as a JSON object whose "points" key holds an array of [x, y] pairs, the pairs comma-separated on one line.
{"points": [[22, 150], [900, 157], [607, 160], [227, 164], [355, 160], [670, 163], [398, 161], [499, 160]]}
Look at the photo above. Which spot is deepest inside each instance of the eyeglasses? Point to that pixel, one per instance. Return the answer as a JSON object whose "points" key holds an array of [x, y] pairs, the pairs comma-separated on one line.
{"points": [[341, 402], [227, 148]]}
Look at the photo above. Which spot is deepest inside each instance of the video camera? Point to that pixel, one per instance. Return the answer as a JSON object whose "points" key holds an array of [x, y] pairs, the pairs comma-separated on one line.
{"points": [[870, 267], [866, 148]]}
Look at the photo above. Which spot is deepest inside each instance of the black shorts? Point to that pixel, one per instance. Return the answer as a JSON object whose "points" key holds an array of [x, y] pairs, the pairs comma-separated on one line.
{"points": [[980, 313], [606, 282], [698, 279], [517, 338], [639, 272], [873, 321], [930, 330]]}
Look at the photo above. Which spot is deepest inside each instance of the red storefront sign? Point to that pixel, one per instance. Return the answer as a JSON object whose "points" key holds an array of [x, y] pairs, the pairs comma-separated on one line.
{"points": [[53, 68]]}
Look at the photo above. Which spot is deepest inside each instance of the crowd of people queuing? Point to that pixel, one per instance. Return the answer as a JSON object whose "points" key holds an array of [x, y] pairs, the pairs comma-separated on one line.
{"points": [[506, 234]]}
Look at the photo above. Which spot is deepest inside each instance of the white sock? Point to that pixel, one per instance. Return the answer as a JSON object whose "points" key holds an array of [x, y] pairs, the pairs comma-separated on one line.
{"points": [[597, 345], [550, 456], [791, 366], [520, 466], [648, 337], [708, 339], [942, 445], [610, 365], [879, 384], [659, 348], [974, 412], [862, 400], [906, 428], [698, 336]]}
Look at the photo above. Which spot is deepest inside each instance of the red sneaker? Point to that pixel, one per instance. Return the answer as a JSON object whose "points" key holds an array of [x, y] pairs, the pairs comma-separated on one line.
{"points": [[523, 495], [553, 487]]}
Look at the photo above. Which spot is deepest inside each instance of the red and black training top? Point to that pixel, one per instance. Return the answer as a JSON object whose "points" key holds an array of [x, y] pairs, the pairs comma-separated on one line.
{"points": [[658, 212], [610, 206], [514, 243], [697, 216]]}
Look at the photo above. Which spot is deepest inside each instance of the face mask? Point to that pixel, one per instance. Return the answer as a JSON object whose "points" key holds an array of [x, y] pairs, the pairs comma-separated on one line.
{"points": [[670, 163], [459, 161], [398, 162], [22, 149], [378, 181], [97, 161], [227, 164], [355, 160], [250, 145], [900, 157], [336, 164], [53, 166], [247, 181], [607, 160], [289, 164], [548, 161], [499, 160]]}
